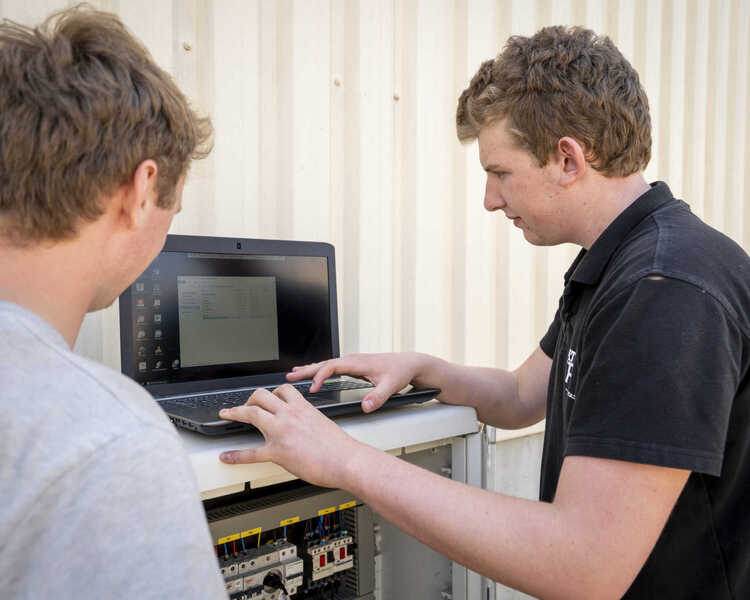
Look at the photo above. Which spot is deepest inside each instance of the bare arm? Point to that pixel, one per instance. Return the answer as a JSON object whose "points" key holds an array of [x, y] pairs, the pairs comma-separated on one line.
{"points": [[590, 543], [507, 399]]}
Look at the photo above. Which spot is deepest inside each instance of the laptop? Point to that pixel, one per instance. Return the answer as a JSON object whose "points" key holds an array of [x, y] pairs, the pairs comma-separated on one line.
{"points": [[212, 319]]}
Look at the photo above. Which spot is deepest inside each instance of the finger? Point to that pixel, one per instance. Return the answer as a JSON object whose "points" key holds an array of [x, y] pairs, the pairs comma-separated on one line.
{"points": [[266, 400], [255, 415], [331, 367], [290, 395], [378, 396], [303, 372], [250, 455]]}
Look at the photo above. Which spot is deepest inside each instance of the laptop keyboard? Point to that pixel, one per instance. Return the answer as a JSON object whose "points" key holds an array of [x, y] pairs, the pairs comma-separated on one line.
{"points": [[227, 399]]}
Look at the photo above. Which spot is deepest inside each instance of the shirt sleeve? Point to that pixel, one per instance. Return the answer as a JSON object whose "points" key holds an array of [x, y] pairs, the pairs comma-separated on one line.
{"points": [[549, 341], [129, 524], [660, 367]]}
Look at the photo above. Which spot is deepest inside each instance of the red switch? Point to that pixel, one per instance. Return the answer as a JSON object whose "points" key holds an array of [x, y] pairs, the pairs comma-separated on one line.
{"points": [[342, 553], [322, 560]]}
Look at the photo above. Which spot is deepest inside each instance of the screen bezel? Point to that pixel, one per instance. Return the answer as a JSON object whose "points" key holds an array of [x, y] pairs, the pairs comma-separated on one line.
{"points": [[238, 246]]}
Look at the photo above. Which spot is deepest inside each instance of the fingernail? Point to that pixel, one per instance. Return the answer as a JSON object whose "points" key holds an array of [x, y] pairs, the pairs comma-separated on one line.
{"points": [[226, 456], [223, 412], [367, 405]]}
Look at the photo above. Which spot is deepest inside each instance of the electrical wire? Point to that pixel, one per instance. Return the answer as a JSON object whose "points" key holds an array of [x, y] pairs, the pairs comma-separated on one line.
{"points": [[242, 541]]}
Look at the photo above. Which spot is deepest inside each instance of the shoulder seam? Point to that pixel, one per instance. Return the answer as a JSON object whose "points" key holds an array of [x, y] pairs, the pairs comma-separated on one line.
{"points": [[687, 278]]}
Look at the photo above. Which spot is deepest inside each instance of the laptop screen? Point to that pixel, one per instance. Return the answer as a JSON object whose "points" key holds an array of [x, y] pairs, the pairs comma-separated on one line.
{"points": [[203, 316]]}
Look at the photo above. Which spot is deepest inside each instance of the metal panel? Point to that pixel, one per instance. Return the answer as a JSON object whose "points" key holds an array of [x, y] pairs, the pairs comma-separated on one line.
{"points": [[409, 569]]}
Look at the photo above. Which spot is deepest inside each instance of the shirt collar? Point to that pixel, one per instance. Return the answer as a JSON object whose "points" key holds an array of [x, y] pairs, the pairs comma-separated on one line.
{"points": [[589, 265]]}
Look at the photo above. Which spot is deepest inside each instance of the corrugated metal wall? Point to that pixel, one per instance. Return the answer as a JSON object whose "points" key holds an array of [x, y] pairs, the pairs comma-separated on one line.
{"points": [[335, 121]]}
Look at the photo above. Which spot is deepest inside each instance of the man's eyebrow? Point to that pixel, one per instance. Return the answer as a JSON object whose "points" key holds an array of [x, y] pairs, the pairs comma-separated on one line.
{"points": [[494, 167]]}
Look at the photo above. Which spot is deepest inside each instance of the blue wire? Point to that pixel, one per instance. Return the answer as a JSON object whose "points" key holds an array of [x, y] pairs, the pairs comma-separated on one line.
{"points": [[285, 532], [226, 552], [243, 544]]}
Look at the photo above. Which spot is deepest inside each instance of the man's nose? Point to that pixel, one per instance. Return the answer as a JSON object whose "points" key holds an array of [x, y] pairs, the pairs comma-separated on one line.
{"points": [[492, 201]]}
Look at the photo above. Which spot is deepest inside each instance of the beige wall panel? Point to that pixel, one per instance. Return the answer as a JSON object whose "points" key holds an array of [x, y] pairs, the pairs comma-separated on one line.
{"points": [[235, 113], [650, 74], [376, 110], [737, 119], [404, 174], [433, 231], [718, 69], [517, 469], [675, 117], [191, 34], [745, 241], [696, 57], [480, 250], [308, 162], [29, 13], [344, 168]]}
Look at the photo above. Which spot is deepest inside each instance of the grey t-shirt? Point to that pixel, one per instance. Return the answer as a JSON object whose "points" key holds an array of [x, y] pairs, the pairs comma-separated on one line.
{"points": [[97, 499]]}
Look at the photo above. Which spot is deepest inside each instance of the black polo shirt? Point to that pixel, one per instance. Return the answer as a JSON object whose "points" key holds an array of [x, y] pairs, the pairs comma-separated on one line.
{"points": [[651, 353]]}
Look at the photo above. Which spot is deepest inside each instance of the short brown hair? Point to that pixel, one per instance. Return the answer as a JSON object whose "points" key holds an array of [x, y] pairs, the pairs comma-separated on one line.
{"points": [[563, 82], [82, 104]]}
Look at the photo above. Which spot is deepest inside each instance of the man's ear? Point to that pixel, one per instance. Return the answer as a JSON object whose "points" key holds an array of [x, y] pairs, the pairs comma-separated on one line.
{"points": [[138, 196], [573, 160]]}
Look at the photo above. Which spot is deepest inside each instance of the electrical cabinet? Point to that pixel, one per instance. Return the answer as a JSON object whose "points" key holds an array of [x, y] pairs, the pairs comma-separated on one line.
{"points": [[278, 537]]}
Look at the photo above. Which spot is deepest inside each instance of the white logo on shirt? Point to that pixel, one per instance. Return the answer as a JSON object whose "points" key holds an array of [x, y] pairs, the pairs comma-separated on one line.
{"points": [[571, 361]]}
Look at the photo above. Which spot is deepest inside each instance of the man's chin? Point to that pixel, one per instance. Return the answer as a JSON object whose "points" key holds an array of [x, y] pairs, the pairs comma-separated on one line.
{"points": [[101, 303], [535, 240], [532, 238]]}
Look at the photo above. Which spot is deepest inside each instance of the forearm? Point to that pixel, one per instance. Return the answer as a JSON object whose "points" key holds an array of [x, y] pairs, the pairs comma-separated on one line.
{"points": [[494, 393], [524, 544]]}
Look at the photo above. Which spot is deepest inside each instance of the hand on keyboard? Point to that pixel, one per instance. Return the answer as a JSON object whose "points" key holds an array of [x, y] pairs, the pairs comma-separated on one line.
{"points": [[390, 373]]}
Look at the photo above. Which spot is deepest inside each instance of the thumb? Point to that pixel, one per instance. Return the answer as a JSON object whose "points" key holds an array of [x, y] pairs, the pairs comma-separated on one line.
{"points": [[377, 397], [249, 455]]}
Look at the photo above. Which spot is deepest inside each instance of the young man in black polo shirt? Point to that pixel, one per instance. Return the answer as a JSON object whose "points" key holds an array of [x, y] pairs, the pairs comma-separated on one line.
{"points": [[642, 377]]}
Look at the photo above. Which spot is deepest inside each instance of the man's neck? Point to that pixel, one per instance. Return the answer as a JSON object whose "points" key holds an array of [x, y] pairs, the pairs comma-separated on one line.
{"points": [[604, 202], [51, 281]]}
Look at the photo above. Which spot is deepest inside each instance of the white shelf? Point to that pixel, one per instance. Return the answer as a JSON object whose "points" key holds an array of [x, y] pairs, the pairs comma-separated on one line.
{"points": [[391, 429]]}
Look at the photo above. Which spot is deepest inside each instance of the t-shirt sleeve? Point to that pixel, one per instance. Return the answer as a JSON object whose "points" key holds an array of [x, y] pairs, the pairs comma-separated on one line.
{"points": [[549, 341], [660, 367], [130, 525]]}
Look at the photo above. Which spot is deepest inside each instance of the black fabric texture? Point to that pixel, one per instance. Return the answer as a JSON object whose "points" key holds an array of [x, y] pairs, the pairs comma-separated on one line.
{"points": [[651, 353]]}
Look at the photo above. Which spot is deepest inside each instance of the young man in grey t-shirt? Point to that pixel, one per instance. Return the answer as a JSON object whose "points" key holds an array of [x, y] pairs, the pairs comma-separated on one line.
{"points": [[98, 499]]}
